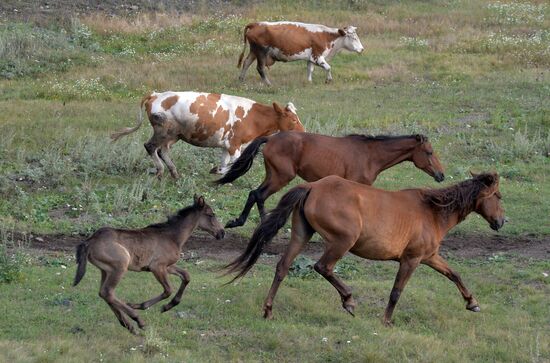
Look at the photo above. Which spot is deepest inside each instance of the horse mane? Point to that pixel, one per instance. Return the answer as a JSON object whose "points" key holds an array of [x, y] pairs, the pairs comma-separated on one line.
{"points": [[180, 215], [459, 198], [368, 138]]}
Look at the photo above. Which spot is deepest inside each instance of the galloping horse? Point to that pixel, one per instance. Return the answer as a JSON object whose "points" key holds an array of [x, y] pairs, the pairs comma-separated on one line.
{"points": [[405, 226], [311, 156], [155, 248]]}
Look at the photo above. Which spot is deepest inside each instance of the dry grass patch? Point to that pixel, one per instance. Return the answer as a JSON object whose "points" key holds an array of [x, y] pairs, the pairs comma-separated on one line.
{"points": [[103, 24]]}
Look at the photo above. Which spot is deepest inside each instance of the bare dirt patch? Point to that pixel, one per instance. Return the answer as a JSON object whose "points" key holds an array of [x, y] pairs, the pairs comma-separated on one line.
{"points": [[204, 246]]}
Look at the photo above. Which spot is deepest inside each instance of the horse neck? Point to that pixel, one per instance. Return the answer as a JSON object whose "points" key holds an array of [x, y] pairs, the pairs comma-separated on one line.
{"points": [[446, 220], [185, 226], [267, 119], [390, 152]]}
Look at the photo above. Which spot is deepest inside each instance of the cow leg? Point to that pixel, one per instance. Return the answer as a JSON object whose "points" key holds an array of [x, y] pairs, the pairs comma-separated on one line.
{"points": [[152, 150], [163, 152], [246, 64], [321, 62], [310, 67], [223, 164], [260, 66]]}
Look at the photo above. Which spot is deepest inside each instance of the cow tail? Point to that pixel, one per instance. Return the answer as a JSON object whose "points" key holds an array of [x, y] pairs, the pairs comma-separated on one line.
{"points": [[81, 260], [268, 229], [128, 130], [244, 46], [244, 162]]}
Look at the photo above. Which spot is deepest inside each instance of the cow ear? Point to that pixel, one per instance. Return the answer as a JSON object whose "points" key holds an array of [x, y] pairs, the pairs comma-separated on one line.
{"points": [[342, 32], [277, 108]]}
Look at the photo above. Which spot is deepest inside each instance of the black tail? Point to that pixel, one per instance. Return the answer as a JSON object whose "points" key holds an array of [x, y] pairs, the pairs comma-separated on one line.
{"points": [[244, 162], [81, 260], [267, 229]]}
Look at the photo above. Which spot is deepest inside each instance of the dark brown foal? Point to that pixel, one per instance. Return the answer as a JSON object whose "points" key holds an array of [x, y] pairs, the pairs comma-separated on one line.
{"points": [[405, 226], [155, 248], [312, 157]]}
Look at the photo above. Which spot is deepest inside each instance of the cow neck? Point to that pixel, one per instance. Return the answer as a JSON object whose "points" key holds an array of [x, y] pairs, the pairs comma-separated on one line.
{"points": [[268, 118], [336, 44]]}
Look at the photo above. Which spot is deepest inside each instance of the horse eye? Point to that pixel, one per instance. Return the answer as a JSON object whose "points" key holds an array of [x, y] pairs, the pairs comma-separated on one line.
{"points": [[429, 153]]}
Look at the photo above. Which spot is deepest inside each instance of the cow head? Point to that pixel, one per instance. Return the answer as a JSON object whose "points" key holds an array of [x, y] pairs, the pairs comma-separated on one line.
{"points": [[351, 40], [288, 119]]}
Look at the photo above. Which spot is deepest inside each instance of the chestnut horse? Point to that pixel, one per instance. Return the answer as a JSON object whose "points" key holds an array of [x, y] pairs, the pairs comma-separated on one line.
{"points": [[311, 156], [155, 248], [405, 226]]}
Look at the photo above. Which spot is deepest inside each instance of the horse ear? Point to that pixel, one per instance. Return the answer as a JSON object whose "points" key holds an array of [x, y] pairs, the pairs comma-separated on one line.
{"points": [[489, 179], [473, 174], [200, 202], [195, 198], [277, 108], [342, 32]]}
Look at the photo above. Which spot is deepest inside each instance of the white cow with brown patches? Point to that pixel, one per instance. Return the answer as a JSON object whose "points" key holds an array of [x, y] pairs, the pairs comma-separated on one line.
{"points": [[208, 120], [286, 41]]}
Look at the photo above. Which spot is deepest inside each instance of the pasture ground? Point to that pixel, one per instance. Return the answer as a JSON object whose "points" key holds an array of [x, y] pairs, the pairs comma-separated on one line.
{"points": [[471, 74]]}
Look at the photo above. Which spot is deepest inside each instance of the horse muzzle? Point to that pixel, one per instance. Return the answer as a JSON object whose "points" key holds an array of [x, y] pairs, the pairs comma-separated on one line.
{"points": [[220, 234], [498, 223], [439, 177]]}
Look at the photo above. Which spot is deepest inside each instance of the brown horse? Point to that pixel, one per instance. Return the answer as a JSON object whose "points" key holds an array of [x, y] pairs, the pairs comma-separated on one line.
{"points": [[405, 226], [155, 248], [311, 156]]}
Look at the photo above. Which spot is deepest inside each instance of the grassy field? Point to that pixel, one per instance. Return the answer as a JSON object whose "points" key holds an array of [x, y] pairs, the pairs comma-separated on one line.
{"points": [[472, 75]]}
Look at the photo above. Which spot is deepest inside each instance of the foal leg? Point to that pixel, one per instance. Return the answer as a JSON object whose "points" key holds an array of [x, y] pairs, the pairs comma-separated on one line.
{"points": [[325, 267], [185, 278], [163, 152], [301, 234], [406, 268], [162, 277], [117, 306], [439, 264]]}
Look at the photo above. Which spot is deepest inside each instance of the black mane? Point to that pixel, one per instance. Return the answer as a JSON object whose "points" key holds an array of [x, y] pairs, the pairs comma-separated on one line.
{"points": [[368, 138], [181, 214]]}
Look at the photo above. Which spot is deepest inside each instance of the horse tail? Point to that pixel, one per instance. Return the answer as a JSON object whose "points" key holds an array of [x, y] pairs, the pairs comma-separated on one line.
{"points": [[244, 162], [81, 260], [128, 130], [244, 45], [268, 228]]}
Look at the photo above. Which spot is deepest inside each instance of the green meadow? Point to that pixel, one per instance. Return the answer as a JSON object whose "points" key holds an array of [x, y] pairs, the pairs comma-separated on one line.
{"points": [[472, 75]]}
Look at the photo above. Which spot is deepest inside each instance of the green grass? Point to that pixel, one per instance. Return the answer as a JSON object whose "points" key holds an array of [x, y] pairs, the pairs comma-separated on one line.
{"points": [[470, 74], [48, 320]]}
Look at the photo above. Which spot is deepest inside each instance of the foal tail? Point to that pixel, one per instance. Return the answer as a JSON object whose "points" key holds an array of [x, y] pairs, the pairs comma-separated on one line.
{"points": [[128, 130], [82, 261], [244, 162], [268, 228], [244, 45]]}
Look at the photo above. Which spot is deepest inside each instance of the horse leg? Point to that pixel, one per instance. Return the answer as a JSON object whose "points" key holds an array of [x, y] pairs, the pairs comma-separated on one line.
{"points": [[106, 292], [152, 150], [439, 264], [325, 267], [247, 62], [185, 278], [406, 268], [277, 177], [301, 234], [163, 152], [162, 277]]}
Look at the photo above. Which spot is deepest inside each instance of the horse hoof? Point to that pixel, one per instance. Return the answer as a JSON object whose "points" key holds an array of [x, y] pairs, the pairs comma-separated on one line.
{"points": [[349, 309], [474, 308], [165, 308], [268, 314], [388, 323], [233, 224]]}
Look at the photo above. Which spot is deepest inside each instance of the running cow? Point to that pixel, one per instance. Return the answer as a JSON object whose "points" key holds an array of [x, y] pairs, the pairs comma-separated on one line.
{"points": [[208, 120], [286, 41]]}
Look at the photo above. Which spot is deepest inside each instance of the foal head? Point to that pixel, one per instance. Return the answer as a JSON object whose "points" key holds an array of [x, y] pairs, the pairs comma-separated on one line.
{"points": [[488, 203], [207, 219], [425, 159], [288, 118]]}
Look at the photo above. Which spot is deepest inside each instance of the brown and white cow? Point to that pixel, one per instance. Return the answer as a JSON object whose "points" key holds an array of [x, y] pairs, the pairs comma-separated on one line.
{"points": [[208, 120], [286, 41]]}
